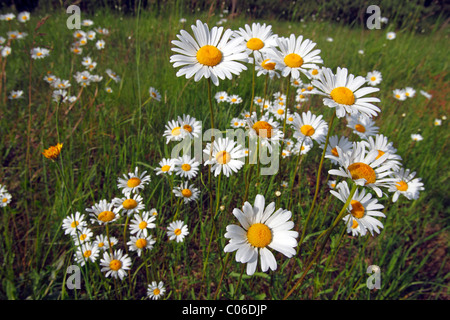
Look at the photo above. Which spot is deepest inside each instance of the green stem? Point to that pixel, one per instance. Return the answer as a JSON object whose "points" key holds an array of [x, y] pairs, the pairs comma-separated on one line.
{"points": [[341, 214]]}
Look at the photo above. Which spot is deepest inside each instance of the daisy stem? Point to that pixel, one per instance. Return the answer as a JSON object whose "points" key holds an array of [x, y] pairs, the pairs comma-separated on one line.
{"points": [[266, 81], [239, 281], [253, 84], [218, 195], [295, 174], [222, 276], [341, 214], [318, 179], [288, 82]]}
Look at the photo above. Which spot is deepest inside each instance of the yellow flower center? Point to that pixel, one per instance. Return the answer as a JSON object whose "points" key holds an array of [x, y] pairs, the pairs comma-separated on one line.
{"points": [[177, 231], [129, 204], [280, 111], [355, 224], [209, 56], [133, 182], [360, 128], [83, 237], [186, 193], [24, 18], [185, 167], [293, 60], [397, 96], [343, 95], [380, 154], [141, 243], [187, 128], [359, 170], [74, 224], [357, 209], [39, 54], [402, 186], [100, 244], [233, 100], [266, 64], [165, 168], [87, 253], [373, 78], [315, 72], [223, 157], [290, 119], [255, 44], [176, 131], [142, 225], [307, 130], [263, 129], [259, 235], [156, 292], [334, 152], [115, 265], [106, 216], [407, 94]]}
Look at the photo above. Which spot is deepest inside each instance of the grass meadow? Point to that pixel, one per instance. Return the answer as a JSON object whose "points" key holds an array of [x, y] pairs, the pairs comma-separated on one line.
{"points": [[106, 135]]}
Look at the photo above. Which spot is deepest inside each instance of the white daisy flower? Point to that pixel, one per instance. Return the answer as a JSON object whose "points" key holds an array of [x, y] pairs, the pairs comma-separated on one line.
{"points": [[156, 290], [177, 230], [73, 223], [173, 131], [363, 208], [133, 181], [310, 127], [266, 129], [354, 227], [405, 184], [39, 53], [437, 122], [155, 94], [90, 35], [209, 54], [333, 142], [82, 235], [391, 35], [314, 73], [187, 192], [101, 242], [295, 56], [225, 157], [100, 44], [103, 212], [115, 265], [6, 51], [363, 126], [86, 252], [139, 244], [296, 82], [343, 91], [5, 199], [264, 65], [78, 34], [23, 16], [416, 137], [113, 75], [302, 147], [190, 126], [374, 78], [109, 90], [166, 166], [331, 184], [410, 92], [87, 23], [15, 94], [234, 99], [258, 37], [261, 228], [383, 146], [221, 96], [129, 204], [364, 168], [278, 111], [141, 223], [399, 94], [237, 123], [7, 17], [186, 167]]}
